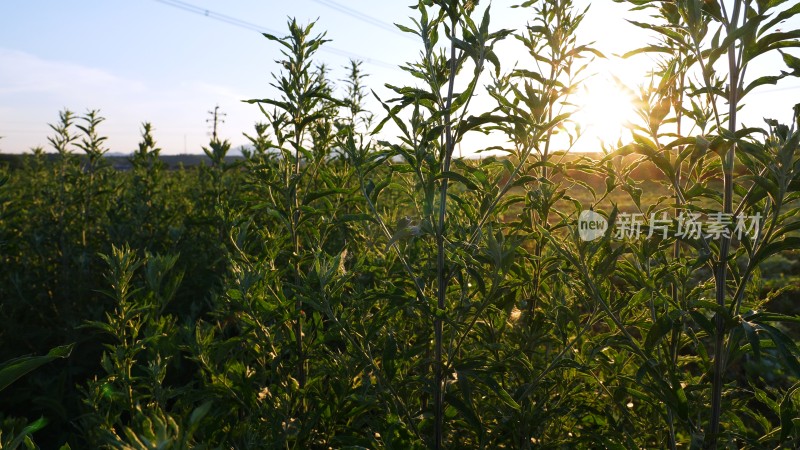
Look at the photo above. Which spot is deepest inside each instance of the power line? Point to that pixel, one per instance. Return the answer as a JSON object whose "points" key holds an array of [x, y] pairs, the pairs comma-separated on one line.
{"points": [[366, 18], [785, 88], [188, 7]]}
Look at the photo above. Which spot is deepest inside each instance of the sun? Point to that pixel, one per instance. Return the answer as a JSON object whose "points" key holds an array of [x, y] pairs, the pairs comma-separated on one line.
{"points": [[604, 110]]}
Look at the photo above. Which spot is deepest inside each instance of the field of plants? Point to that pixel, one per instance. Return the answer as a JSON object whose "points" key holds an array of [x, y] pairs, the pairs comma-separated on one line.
{"points": [[336, 289]]}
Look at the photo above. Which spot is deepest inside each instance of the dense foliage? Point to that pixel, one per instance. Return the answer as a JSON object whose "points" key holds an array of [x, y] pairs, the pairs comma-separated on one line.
{"points": [[334, 290]]}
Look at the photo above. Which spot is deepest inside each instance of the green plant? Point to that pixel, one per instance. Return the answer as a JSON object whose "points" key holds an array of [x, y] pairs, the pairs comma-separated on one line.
{"points": [[342, 288], [305, 103], [694, 37], [12, 370]]}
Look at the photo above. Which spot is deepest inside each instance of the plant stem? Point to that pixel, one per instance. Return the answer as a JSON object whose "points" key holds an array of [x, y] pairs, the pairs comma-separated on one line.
{"points": [[438, 388], [676, 252], [298, 305], [725, 241]]}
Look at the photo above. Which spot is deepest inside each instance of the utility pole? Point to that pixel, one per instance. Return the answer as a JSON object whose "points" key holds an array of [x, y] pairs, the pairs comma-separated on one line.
{"points": [[216, 118]]}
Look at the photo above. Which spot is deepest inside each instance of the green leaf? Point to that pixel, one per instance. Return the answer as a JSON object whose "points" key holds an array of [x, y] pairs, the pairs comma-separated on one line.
{"points": [[764, 317], [781, 16], [646, 147], [356, 218], [12, 370], [457, 177], [283, 105], [768, 79], [647, 49], [703, 322], [788, 243], [785, 346], [506, 397], [311, 196], [406, 29], [199, 412], [465, 409], [792, 62], [674, 36], [744, 32], [788, 412], [660, 328], [476, 122], [752, 338], [24, 435]]}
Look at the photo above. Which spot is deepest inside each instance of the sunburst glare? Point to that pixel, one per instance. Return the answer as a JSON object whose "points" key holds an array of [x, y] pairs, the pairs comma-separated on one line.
{"points": [[604, 110]]}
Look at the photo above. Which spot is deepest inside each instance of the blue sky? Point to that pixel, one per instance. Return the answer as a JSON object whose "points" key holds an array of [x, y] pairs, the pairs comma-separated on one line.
{"points": [[146, 61]]}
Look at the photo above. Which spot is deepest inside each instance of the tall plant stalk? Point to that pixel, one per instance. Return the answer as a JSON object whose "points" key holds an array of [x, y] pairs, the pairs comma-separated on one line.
{"points": [[734, 70], [442, 128], [304, 94], [441, 268]]}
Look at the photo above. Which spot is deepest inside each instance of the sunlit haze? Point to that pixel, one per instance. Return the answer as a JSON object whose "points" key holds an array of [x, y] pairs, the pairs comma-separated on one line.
{"points": [[170, 62]]}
